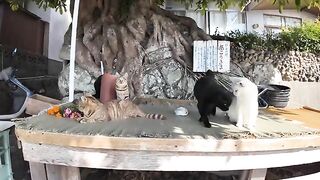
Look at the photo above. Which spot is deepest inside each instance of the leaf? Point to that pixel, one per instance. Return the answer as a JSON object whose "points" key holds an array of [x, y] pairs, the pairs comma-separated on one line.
{"points": [[298, 4], [14, 7], [274, 2]]}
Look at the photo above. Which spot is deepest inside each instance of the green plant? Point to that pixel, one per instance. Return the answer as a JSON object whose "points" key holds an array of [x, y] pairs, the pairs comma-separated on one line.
{"points": [[201, 4], [247, 40], [303, 38]]}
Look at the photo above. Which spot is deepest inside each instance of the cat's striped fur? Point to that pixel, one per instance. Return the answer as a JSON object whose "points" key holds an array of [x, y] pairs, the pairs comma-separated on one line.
{"points": [[94, 111], [122, 89]]}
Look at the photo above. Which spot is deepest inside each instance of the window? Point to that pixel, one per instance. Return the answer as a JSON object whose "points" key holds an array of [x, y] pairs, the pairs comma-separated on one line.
{"points": [[216, 21], [274, 23], [179, 13], [222, 22], [213, 21]]}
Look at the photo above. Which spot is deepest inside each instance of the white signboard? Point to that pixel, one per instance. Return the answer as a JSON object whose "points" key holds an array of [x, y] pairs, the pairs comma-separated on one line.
{"points": [[223, 56], [198, 62], [213, 55]]}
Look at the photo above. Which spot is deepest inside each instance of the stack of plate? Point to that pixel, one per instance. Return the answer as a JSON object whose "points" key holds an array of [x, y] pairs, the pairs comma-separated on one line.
{"points": [[275, 95]]}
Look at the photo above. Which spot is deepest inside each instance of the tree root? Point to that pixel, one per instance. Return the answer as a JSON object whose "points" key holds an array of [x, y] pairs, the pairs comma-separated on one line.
{"points": [[147, 26]]}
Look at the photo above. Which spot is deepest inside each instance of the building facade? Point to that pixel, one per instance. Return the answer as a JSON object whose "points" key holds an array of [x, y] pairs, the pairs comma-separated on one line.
{"points": [[258, 17], [32, 29]]}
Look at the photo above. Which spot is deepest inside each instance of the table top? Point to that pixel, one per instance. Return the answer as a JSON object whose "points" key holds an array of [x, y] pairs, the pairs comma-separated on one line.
{"points": [[176, 144], [4, 125], [176, 134]]}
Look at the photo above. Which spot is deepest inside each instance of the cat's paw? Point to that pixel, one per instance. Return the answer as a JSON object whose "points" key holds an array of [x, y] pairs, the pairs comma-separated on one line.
{"points": [[207, 125], [241, 128], [251, 127], [239, 125], [82, 120]]}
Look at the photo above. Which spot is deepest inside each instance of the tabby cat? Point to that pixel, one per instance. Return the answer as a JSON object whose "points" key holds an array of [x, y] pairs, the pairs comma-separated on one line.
{"points": [[121, 87], [94, 111], [122, 90]]}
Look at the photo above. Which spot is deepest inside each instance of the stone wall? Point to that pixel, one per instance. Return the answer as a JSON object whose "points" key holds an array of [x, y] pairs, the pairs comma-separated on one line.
{"points": [[83, 81], [38, 73], [269, 67], [26, 64], [163, 77]]}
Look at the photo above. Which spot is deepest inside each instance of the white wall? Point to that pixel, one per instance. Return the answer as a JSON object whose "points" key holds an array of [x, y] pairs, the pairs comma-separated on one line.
{"points": [[32, 7], [58, 25], [256, 17]]}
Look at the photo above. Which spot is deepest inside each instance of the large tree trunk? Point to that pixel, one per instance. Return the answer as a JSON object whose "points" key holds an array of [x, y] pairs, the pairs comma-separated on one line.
{"points": [[122, 41]]}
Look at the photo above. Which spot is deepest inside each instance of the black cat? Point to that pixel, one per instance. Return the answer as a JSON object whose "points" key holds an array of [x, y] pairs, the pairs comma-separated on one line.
{"points": [[97, 86], [210, 94]]}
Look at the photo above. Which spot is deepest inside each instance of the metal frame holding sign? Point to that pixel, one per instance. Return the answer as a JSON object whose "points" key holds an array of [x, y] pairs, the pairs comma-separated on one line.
{"points": [[73, 49]]}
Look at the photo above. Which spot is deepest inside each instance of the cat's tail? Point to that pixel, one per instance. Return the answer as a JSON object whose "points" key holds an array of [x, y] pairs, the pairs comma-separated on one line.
{"points": [[155, 116]]}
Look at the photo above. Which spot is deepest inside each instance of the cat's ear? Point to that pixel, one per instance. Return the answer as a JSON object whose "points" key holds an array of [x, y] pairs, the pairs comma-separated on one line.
{"points": [[117, 74], [125, 75], [86, 94], [83, 98], [236, 92], [210, 73]]}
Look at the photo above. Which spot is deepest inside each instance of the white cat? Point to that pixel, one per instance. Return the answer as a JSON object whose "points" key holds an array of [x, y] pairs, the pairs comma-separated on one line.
{"points": [[244, 107]]}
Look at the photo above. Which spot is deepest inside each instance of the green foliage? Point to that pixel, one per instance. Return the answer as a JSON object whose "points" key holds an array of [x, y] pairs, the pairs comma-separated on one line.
{"points": [[15, 4], [60, 5], [221, 4], [247, 40], [304, 38]]}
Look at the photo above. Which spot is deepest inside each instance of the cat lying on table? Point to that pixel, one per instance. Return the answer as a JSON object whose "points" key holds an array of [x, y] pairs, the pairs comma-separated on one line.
{"points": [[122, 108], [94, 111]]}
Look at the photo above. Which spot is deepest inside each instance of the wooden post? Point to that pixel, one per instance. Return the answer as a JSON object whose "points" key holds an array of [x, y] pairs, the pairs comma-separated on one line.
{"points": [[37, 171], [257, 174], [55, 172]]}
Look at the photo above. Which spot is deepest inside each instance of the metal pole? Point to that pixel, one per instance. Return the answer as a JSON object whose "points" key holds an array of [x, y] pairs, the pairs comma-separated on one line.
{"points": [[73, 49]]}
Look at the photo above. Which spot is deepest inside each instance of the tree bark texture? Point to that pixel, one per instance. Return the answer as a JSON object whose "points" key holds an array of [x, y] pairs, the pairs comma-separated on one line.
{"points": [[122, 40]]}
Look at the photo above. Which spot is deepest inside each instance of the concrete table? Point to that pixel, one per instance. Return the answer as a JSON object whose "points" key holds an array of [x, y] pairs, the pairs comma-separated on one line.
{"points": [[56, 148]]}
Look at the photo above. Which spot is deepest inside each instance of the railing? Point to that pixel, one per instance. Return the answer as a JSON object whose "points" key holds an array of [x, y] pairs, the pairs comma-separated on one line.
{"points": [[26, 63]]}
